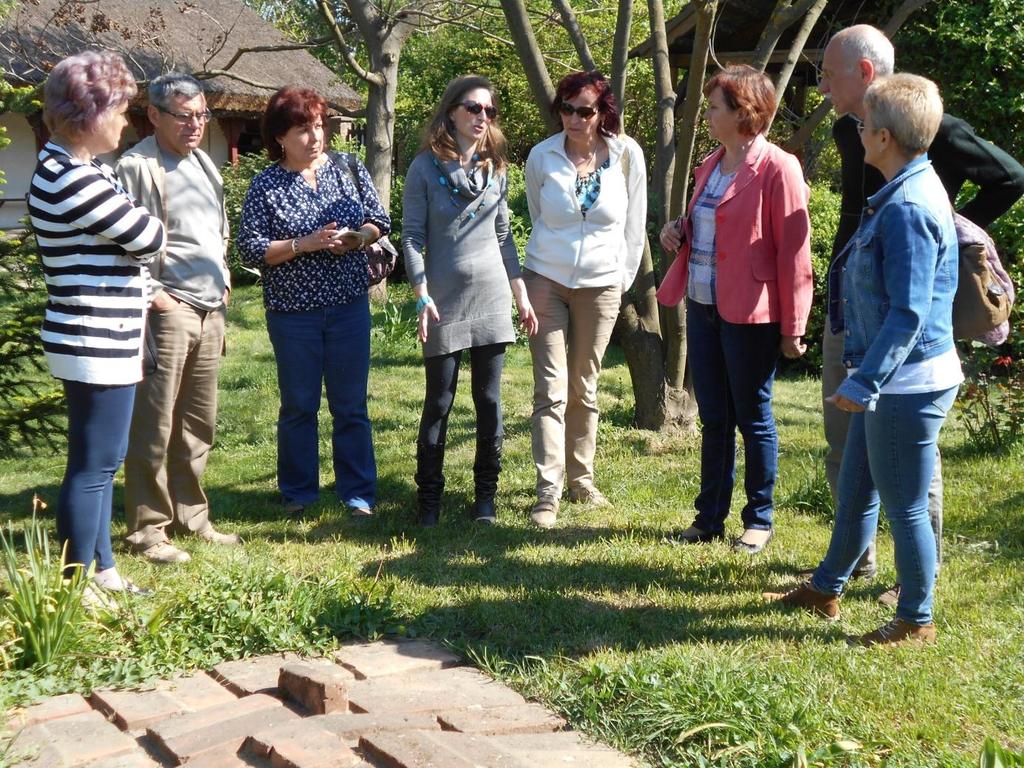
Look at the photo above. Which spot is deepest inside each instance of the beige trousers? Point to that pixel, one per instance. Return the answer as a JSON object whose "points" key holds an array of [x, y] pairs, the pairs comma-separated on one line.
{"points": [[173, 425], [575, 326]]}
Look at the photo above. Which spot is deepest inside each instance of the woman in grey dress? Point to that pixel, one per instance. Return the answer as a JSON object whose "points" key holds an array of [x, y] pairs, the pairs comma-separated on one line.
{"points": [[457, 243]]}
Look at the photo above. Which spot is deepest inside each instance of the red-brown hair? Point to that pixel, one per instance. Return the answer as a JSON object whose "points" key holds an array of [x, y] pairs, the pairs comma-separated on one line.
{"points": [[748, 92], [289, 107], [608, 109]]}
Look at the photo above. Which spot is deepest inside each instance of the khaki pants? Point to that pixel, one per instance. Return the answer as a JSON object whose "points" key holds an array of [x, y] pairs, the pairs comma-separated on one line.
{"points": [[173, 425], [837, 424], [575, 326]]}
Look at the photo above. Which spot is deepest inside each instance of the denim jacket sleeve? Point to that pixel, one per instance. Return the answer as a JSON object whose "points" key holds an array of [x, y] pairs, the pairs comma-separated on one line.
{"points": [[909, 253]]}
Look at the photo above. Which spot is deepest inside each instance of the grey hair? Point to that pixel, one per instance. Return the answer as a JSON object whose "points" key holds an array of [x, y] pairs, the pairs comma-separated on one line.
{"points": [[862, 41], [909, 107], [166, 87]]}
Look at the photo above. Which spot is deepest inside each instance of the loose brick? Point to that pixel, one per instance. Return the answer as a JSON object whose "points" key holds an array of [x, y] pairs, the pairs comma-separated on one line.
{"points": [[350, 727], [423, 749], [437, 691], [318, 689], [136, 710], [394, 657], [225, 758], [71, 741], [137, 759], [559, 750], [218, 728], [301, 745], [49, 709], [524, 718], [255, 675]]}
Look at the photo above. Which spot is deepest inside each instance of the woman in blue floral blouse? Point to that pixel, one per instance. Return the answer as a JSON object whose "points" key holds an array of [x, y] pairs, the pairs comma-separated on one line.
{"points": [[305, 224]]}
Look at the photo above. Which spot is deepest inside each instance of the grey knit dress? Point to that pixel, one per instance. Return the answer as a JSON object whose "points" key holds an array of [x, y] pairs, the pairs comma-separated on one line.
{"points": [[464, 251]]}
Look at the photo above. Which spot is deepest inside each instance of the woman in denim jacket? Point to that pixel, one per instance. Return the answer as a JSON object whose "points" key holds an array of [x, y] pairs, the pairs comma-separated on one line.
{"points": [[903, 371]]}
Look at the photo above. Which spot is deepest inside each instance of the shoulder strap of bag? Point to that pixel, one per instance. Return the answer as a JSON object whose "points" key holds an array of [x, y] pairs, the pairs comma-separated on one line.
{"points": [[625, 158], [348, 163]]}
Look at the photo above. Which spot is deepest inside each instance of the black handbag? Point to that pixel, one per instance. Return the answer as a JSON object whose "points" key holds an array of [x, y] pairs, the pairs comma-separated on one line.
{"points": [[382, 256]]}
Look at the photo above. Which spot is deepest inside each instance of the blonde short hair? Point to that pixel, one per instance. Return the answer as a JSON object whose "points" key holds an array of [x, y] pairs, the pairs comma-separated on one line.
{"points": [[909, 107]]}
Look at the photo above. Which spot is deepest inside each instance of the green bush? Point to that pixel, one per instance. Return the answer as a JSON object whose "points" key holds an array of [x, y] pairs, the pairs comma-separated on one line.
{"points": [[824, 210], [237, 179]]}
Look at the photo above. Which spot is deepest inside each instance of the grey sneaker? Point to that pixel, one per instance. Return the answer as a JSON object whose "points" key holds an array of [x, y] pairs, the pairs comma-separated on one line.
{"points": [[891, 596], [216, 537], [545, 513], [588, 494], [165, 553]]}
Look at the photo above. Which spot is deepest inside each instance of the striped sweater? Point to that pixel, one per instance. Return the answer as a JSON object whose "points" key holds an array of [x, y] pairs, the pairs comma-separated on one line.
{"points": [[94, 243]]}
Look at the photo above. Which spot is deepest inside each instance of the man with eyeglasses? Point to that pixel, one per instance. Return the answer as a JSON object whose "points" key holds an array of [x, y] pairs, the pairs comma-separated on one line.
{"points": [[853, 59], [176, 402]]}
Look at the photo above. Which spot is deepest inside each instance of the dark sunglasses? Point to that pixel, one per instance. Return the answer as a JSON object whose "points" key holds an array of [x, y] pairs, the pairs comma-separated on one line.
{"points": [[569, 110], [475, 109]]}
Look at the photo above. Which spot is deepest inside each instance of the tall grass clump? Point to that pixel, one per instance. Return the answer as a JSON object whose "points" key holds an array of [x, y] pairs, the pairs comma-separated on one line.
{"points": [[41, 609]]}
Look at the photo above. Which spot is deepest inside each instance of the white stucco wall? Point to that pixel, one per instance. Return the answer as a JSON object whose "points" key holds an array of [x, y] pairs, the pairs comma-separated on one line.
{"points": [[18, 162]]}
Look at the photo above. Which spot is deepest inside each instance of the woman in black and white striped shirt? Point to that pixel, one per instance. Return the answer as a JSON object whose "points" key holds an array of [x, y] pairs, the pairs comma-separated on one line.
{"points": [[94, 243]]}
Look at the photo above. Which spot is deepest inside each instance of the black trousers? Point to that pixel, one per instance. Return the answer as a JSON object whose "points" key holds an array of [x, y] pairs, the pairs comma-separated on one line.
{"points": [[442, 372]]}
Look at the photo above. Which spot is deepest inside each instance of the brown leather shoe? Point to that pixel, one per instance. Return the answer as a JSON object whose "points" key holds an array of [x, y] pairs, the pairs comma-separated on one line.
{"points": [[807, 597], [895, 632]]}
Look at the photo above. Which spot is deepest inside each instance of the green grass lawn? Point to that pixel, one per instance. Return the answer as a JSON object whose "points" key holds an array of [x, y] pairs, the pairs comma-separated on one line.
{"points": [[667, 652]]}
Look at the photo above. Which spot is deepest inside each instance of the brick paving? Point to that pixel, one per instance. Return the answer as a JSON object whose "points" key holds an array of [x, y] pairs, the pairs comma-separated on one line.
{"points": [[392, 704]]}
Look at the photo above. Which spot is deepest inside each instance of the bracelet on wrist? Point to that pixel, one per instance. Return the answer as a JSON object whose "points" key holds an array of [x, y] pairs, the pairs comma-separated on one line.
{"points": [[423, 301], [295, 246]]}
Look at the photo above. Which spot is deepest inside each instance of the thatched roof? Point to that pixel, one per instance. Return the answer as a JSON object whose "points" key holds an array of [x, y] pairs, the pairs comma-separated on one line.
{"points": [[158, 36], [739, 25]]}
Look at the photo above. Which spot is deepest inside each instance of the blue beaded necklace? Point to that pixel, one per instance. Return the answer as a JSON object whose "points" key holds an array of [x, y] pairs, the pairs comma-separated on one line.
{"points": [[454, 191]]}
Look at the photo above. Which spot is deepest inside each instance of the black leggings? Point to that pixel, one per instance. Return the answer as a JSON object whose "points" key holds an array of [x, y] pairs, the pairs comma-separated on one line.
{"points": [[486, 364]]}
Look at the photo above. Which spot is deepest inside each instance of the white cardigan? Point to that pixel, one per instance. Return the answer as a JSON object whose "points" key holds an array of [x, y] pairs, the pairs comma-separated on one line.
{"points": [[601, 248]]}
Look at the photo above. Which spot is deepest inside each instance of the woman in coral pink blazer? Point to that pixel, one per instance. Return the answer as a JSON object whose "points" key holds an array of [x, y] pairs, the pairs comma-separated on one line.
{"points": [[744, 268]]}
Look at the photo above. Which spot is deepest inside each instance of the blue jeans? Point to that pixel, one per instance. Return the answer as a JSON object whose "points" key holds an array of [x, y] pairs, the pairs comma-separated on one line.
{"points": [[328, 346], [98, 421], [733, 370], [889, 459]]}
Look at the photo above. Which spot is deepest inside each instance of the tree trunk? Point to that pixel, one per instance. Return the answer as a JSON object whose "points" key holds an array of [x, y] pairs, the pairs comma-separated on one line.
{"points": [[620, 52], [380, 122], [664, 153], [572, 26], [705, 11], [532, 59]]}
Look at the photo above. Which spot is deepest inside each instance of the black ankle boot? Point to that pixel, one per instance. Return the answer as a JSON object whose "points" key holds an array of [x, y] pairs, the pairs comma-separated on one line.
{"points": [[429, 482], [486, 469]]}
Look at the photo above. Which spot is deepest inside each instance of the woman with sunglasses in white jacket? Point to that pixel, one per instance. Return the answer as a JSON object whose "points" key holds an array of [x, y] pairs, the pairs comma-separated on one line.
{"points": [[587, 191]]}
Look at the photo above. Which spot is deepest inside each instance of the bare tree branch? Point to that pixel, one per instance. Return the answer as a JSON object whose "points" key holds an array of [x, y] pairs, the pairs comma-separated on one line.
{"points": [[901, 14], [803, 133], [795, 51], [786, 13], [575, 33], [343, 47], [270, 48]]}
